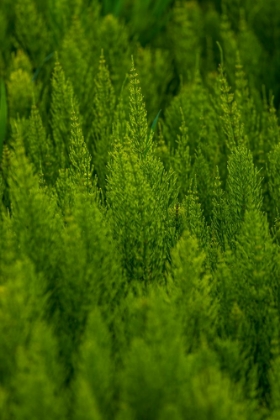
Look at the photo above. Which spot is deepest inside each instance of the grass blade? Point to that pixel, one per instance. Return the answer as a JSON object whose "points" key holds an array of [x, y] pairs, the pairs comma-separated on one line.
{"points": [[154, 125]]}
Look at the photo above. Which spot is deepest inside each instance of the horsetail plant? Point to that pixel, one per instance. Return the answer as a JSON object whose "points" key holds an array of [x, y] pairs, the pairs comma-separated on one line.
{"points": [[139, 249]]}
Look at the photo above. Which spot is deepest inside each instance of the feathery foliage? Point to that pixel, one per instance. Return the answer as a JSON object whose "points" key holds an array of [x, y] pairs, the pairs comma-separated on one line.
{"points": [[139, 211]]}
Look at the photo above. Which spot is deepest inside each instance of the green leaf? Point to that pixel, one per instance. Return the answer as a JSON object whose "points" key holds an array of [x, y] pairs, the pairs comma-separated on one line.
{"points": [[154, 125]]}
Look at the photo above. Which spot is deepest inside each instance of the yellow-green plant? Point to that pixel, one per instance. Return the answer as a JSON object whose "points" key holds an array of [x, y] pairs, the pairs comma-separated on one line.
{"points": [[139, 210]]}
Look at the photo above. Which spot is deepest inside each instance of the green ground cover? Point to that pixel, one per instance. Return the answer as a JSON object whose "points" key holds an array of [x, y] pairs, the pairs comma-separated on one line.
{"points": [[140, 210]]}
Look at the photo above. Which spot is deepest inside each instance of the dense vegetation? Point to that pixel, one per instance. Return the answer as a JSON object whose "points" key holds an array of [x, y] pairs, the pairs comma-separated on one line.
{"points": [[140, 210]]}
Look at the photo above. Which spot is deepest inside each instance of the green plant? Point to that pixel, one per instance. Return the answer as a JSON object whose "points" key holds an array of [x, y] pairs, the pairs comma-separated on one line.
{"points": [[139, 249]]}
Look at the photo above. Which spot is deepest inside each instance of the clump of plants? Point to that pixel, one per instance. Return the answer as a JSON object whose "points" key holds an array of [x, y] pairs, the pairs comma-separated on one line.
{"points": [[139, 211]]}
